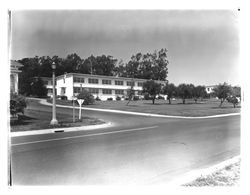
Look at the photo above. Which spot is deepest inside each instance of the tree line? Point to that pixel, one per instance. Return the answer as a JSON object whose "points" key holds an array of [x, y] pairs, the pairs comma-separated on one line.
{"points": [[145, 66], [189, 91]]}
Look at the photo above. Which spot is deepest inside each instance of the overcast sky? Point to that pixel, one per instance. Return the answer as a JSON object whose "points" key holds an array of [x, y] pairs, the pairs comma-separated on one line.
{"points": [[203, 46]]}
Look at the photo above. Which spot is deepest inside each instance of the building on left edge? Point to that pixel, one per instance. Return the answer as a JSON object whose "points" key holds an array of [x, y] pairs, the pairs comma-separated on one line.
{"points": [[14, 70]]}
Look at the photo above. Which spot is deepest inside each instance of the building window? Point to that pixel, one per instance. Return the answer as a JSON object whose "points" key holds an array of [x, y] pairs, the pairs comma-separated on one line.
{"points": [[106, 82], [95, 81], [130, 83], [77, 89], [118, 82], [46, 82], [93, 90], [140, 84], [107, 91], [78, 80], [119, 92]]}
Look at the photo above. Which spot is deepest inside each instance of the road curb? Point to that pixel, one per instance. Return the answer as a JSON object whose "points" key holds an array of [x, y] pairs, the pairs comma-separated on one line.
{"points": [[193, 175], [55, 130], [44, 102]]}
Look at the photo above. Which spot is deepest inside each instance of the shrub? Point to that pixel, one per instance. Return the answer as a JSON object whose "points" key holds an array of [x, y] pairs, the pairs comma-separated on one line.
{"points": [[17, 104], [118, 98], [88, 97], [147, 96], [160, 97], [63, 97], [97, 98], [110, 99], [136, 98]]}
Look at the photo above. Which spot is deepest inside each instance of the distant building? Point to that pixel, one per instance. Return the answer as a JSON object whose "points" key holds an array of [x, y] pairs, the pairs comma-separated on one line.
{"points": [[14, 66], [210, 89], [100, 86]]}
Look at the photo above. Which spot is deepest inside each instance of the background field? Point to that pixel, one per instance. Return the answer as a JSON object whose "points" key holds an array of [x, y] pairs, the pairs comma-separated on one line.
{"points": [[201, 108]]}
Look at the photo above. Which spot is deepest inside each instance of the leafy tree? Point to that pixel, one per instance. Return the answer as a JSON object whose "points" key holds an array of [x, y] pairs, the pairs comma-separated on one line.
{"points": [[236, 91], [17, 104], [235, 96], [87, 96], [152, 88], [133, 66], [159, 66], [45, 69], [222, 91], [233, 99], [131, 92], [104, 65], [72, 63], [86, 66], [170, 90], [198, 92], [38, 88], [148, 66], [30, 69], [184, 91], [119, 69]]}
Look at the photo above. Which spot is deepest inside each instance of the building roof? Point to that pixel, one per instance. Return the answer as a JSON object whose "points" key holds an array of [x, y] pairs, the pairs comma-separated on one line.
{"points": [[102, 76], [14, 65], [210, 86]]}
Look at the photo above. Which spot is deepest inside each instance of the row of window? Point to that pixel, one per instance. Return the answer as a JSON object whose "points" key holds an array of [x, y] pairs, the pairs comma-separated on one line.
{"points": [[105, 81], [96, 91]]}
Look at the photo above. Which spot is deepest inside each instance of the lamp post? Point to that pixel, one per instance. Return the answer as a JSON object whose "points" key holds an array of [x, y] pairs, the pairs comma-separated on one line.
{"points": [[54, 121]]}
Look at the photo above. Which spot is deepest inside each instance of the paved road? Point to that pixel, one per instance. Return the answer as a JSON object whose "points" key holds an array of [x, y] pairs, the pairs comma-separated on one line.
{"points": [[137, 150]]}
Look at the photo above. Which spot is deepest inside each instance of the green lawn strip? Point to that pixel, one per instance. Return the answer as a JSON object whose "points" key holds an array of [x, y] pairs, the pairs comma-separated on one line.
{"points": [[36, 120], [202, 108], [228, 176]]}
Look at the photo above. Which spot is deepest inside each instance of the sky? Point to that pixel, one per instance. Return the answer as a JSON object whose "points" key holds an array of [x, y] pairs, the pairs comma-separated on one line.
{"points": [[203, 45]]}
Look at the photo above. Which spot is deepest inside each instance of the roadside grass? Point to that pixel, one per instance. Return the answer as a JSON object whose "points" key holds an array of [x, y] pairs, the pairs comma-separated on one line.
{"points": [[40, 119], [228, 176], [205, 107]]}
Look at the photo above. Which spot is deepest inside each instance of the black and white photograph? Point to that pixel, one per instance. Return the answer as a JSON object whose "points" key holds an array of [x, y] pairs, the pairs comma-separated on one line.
{"points": [[124, 97]]}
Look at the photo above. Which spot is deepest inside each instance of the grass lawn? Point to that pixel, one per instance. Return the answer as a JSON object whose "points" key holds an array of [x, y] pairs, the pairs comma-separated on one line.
{"points": [[202, 108], [228, 176], [40, 119]]}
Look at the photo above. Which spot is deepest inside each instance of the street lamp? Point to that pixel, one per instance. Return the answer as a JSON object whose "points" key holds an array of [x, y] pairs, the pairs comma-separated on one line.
{"points": [[54, 121]]}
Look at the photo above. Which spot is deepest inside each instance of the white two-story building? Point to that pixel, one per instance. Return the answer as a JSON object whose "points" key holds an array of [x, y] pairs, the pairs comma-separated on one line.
{"points": [[104, 87]]}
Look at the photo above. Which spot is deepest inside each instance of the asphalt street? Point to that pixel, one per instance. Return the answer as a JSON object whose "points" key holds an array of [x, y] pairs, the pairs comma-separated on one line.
{"points": [[136, 150]]}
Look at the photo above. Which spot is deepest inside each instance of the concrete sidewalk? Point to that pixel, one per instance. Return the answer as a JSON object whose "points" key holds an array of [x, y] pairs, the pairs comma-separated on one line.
{"points": [[55, 130], [44, 102]]}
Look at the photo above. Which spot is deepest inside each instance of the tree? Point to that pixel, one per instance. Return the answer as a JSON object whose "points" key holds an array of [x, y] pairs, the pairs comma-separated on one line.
{"points": [[170, 90], [131, 92], [236, 91], [30, 69], [148, 66], [233, 99], [119, 69], [198, 92], [235, 96], [104, 65], [17, 104], [72, 63], [222, 91], [38, 88], [87, 96], [152, 88], [184, 92]]}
